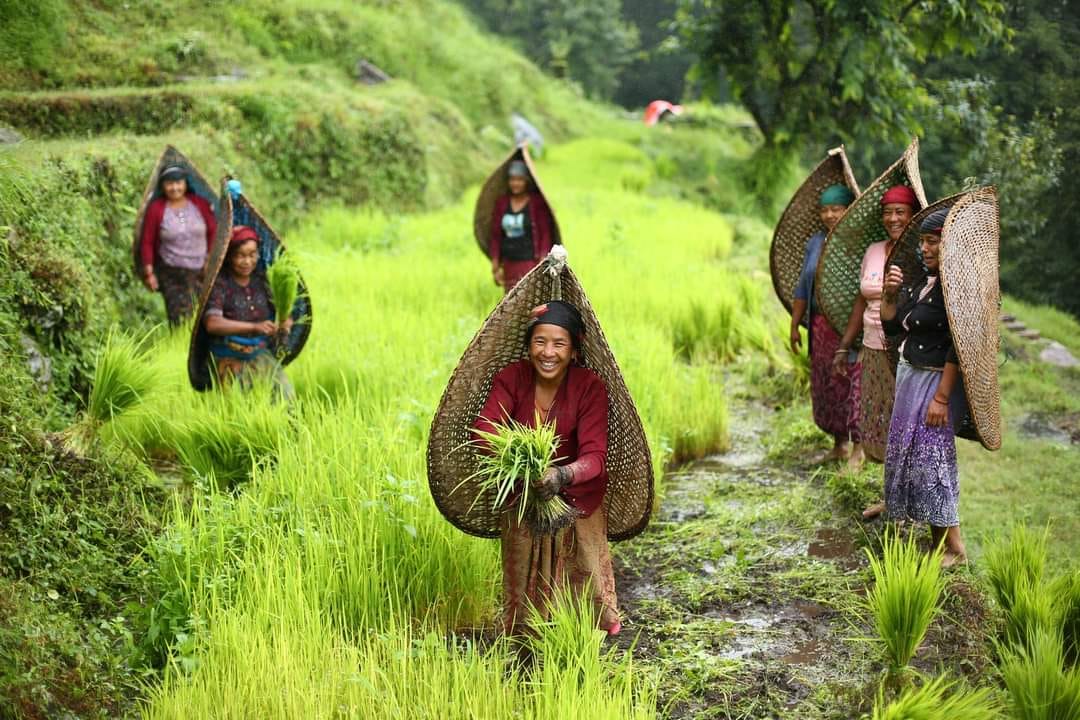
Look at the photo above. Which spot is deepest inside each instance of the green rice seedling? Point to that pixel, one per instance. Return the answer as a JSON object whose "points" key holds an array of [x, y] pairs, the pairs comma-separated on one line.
{"points": [[1040, 688], [905, 598], [1017, 563], [283, 277], [1066, 594], [939, 699], [123, 377], [1033, 608], [513, 458]]}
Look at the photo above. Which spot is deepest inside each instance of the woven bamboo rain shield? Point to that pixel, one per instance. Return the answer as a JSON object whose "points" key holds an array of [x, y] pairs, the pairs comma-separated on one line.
{"points": [[196, 183], [801, 220], [837, 283], [199, 370], [495, 187], [969, 279], [501, 341], [244, 213]]}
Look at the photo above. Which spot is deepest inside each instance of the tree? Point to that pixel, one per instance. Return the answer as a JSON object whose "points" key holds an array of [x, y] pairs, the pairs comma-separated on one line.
{"points": [[827, 70], [587, 42]]}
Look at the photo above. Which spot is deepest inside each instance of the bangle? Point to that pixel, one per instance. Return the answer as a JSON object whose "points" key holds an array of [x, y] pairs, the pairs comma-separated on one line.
{"points": [[939, 400], [841, 351]]}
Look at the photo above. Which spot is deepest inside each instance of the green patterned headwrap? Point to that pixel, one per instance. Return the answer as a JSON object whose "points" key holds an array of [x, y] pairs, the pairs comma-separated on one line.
{"points": [[837, 195]]}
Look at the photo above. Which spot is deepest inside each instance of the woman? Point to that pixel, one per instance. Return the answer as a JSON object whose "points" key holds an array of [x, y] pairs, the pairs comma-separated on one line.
{"points": [[552, 386], [520, 229], [240, 316], [921, 480], [178, 230], [876, 385], [835, 397]]}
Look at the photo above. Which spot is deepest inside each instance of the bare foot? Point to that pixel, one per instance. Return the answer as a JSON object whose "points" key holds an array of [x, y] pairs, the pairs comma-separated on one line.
{"points": [[856, 458], [836, 454], [952, 559], [873, 511]]}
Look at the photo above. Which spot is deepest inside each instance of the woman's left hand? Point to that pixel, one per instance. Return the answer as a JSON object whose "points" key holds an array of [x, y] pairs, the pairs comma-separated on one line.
{"points": [[286, 327], [937, 415], [551, 483]]}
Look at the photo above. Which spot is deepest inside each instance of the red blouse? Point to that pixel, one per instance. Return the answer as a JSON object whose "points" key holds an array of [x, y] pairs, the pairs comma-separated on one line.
{"points": [[580, 414]]}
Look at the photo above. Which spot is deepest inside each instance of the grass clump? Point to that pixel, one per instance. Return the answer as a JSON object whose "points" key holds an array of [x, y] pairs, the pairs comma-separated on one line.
{"points": [[1039, 685], [938, 699], [122, 377], [905, 598], [511, 460]]}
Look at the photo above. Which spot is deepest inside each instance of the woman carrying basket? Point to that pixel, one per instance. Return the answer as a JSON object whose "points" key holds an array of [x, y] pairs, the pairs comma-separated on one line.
{"points": [[551, 387], [521, 229], [921, 479], [835, 397]]}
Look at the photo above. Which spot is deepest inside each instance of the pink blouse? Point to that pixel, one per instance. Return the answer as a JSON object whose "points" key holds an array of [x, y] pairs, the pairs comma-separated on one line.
{"points": [[871, 280]]}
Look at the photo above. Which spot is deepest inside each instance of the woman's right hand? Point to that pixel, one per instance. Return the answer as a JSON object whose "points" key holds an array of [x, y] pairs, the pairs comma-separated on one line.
{"points": [[796, 339], [893, 280], [499, 273], [839, 363], [266, 327], [150, 281]]}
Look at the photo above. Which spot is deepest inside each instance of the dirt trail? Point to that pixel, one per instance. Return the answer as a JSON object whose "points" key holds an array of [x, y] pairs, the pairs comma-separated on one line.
{"points": [[737, 590]]}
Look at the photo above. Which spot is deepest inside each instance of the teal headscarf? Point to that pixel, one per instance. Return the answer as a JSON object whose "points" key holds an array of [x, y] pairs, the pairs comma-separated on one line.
{"points": [[837, 195]]}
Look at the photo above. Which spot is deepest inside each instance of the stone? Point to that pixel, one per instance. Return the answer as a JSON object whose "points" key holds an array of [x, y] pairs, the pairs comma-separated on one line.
{"points": [[1030, 334], [39, 364], [9, 136], [369, 73], [1057, 354]]}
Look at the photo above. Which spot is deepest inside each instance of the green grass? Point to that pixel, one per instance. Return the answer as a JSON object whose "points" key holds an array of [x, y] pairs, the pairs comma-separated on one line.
{"points": [[905, 598], [938, 699]]}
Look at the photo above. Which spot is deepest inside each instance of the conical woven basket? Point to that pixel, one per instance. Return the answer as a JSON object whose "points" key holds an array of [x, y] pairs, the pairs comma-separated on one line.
{"points": [[837, 283], [200, 373], [500, 341], [242, 212], [969, 279], [906, 255], [801, 220], [495, 187], [196, 183]]}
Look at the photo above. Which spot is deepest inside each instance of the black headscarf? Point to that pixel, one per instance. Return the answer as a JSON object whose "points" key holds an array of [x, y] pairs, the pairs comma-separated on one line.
{"points": [[557, 312], [935, 221]]}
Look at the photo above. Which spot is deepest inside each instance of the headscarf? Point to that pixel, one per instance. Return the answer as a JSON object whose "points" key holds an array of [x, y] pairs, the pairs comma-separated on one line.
{"points": [[557, 312], [240, 235], [836, 195], [517, 169], [934, 223], [173, 172], [901, 194]]}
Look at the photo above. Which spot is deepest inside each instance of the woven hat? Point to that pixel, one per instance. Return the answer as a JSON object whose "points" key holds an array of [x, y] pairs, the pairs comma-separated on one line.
{"points": [[836, 285], [969, 280], [495, 187], [197, 183], [801, 220], [240, 211], [629, 499]]}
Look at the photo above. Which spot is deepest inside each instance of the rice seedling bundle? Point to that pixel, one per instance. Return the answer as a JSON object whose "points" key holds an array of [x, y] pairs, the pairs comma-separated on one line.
{"points": [[1040, 688], [510, 461], [1066, 594], [905, 598], [123, 376], [937, 700], [1015, 564], [283, 277]]}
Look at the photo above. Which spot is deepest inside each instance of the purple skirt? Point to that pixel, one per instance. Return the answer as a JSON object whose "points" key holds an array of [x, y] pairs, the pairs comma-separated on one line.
{"points": [[921, 480]]}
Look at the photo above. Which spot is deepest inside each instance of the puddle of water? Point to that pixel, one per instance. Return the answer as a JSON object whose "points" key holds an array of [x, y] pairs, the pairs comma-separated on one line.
{"points": [[807, 653], [837, 545]]}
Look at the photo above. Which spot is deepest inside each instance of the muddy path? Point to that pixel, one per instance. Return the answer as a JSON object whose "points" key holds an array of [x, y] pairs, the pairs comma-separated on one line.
{"points": [[744, 592]]}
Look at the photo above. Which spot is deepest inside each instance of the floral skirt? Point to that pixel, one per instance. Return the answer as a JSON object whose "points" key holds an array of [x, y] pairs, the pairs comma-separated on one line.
{"points": [[245, 372], [921, 479], [877, 391], [835, 398], [535, 567]]}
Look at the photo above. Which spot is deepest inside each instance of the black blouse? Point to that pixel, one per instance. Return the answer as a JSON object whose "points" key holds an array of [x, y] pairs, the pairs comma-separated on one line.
{"points": [[924, 325]]}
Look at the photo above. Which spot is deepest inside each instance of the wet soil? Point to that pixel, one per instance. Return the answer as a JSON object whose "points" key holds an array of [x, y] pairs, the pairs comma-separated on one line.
{"points": [[744, 593]]}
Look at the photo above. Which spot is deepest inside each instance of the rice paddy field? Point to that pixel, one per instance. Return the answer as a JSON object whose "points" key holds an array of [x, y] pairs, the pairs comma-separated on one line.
{"points": [[304, 570]]}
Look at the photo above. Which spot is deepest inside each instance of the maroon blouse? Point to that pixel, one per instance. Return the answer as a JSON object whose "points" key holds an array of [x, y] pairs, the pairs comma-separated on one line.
{"points": [[539, 218], [580, 414]]}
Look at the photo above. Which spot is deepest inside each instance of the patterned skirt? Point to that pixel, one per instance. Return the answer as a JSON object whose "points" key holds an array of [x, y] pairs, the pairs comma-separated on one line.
{"points": [[535, 567], [835, 397], [179, 287], [921, 479], [877, 393]]}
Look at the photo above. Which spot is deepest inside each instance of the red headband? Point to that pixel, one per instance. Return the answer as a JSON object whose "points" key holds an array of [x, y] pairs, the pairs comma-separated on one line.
{"points": [[242, 233], [899, 194]]}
